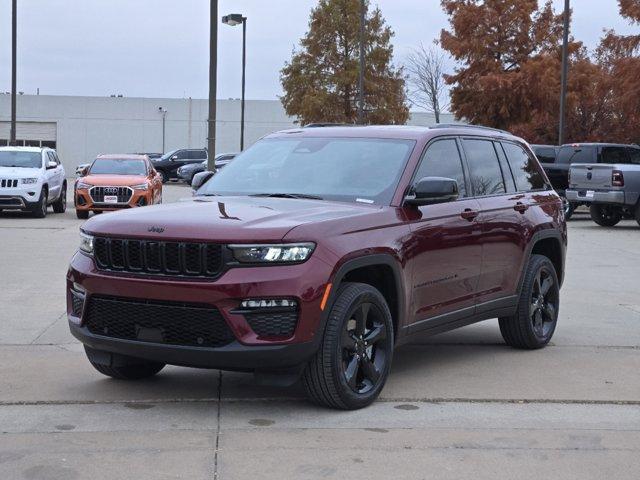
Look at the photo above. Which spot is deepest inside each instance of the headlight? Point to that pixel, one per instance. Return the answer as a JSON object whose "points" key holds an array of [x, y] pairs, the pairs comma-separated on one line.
{"points": [[291, 252], [86, 243], [28, 180], [142, 186], [83, 185]]}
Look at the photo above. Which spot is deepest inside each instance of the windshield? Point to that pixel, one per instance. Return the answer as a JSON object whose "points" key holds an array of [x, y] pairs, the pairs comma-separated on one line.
{"points": [[167, 155], [118, 166], [345, 169], [17, 158]]}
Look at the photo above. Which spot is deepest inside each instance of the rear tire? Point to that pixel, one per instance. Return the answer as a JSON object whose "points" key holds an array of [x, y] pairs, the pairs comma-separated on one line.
{"points": [[60, 205], [82, 214], [135, 371], [605, 215], [353, 361], [536, 317], [569, 208], [40, 209]]}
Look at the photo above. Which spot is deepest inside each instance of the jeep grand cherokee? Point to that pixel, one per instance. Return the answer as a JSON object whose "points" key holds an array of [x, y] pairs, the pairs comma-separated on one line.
{"points": [[318, 251]]}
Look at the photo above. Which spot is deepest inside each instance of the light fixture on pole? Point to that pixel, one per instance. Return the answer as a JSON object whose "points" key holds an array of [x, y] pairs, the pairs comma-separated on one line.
{"points": [[163, 111], [233, 20]]}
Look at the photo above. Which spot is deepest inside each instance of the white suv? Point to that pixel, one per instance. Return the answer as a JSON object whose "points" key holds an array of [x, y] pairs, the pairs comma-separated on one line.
{"points": [[31, 179]]}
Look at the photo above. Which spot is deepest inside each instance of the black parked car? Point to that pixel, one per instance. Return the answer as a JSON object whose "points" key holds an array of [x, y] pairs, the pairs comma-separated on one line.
{"points": [[169, 163], [187, 172], [152, 156]]}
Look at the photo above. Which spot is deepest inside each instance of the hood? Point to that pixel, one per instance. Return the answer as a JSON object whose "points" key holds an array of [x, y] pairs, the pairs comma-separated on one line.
{"points": [[114, 180], [222, 219], [20, 172]]}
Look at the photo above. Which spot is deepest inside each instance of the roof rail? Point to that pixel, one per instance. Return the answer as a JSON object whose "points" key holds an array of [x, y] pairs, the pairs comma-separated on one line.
{"points": [[326, 124], [467, 125]]}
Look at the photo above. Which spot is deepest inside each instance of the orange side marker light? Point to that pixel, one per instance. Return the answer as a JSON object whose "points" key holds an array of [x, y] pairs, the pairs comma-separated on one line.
{"points": [[325, 297]]}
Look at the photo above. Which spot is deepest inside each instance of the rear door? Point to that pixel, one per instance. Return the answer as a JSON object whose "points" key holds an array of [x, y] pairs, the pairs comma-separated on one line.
{"points": [[501, 216], [447, 253]]}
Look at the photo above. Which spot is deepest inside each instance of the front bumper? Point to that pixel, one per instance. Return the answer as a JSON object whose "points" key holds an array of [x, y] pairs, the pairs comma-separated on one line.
{"points": [[248, 351], [23, 197], [599, 196]]}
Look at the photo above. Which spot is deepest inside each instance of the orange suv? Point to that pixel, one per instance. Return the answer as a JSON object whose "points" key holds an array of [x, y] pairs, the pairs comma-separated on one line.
{"points": [[113, 182]]}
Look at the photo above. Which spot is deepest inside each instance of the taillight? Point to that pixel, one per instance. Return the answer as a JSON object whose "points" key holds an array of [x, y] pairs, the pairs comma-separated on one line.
{"points": [[617, 179]]}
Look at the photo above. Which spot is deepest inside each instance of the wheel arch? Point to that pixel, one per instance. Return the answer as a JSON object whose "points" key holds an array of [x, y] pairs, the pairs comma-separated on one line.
{"points": [[550, 244], [383, 272]]}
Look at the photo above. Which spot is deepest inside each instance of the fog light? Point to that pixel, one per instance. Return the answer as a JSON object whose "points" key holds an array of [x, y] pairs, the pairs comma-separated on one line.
{"points": [[268, 303]]}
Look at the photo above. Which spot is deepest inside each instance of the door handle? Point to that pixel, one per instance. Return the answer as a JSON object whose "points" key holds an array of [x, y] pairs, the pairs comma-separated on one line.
{"points": [[469, 214], [520, 207]]}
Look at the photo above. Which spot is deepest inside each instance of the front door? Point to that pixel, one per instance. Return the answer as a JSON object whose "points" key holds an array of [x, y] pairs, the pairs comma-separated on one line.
{"points": [[446, 243]]}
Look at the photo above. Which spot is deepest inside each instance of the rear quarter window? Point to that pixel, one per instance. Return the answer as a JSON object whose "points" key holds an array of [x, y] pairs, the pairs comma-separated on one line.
{"points": [[525, 170], [545, 154]]}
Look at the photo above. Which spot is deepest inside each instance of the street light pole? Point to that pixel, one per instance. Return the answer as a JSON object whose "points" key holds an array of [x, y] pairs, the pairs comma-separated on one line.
{"points": [[564, 73], [363, 8], [14, 39], [233, 20], [163, 111], [213, 85]]}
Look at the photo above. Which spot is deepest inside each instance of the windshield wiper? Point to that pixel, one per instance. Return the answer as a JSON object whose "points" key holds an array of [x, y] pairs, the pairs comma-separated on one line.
{"points": [[287, 195]]}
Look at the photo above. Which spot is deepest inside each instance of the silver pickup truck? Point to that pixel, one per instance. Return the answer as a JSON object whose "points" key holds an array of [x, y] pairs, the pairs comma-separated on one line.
{"points": [[611, 187]]}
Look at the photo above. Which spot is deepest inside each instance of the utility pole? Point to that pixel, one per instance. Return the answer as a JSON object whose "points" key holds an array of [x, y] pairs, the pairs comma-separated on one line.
{"points": [[14, 39], [363, 11], [163, 112], [564, 74], [244, 69], [213, 85]]}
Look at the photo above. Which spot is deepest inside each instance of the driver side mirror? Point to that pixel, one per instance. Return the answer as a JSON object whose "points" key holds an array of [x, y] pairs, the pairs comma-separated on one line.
{"points": [[430, 190], [200, 179], [174, 157], [84, 172], [51, 165]]}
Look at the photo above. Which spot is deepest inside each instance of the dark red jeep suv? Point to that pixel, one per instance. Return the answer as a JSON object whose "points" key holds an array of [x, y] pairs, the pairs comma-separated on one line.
{"points": [[318, 251]]}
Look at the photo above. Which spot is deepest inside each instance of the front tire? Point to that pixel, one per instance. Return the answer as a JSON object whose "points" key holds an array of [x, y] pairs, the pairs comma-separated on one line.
{"points": [[134, 371], [605, 215], [164, 175], [60, 205], [40, 209], [569, 208], [82, 214], [536, 317], [353, 361]]}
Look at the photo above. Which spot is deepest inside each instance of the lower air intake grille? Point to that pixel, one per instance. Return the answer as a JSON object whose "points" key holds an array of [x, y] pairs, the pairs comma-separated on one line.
{"points": [[157, 322], [272, 324]]}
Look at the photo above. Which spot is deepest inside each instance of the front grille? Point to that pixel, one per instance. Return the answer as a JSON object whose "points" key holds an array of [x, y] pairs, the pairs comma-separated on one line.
{"points": [[159, 258], [123, 193], [157, 322], [8, 183], [272, 324]]}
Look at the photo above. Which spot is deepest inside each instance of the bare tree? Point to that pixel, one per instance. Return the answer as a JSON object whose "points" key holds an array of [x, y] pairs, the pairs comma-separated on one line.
{"points": [[427, 87]]}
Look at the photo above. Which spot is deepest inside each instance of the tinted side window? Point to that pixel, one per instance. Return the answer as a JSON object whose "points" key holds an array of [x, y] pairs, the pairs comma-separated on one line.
{"points": [[509, 181], [198, 154], [576, 155], [486, 176], [634, 155], [545, 154], [613, 155], [50, 157], [442, 159], [524, 168], [183, 154]]}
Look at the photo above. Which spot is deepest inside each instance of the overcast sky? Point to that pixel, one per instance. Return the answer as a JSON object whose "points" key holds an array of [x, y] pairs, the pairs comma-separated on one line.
{"points": [[159, 48]]}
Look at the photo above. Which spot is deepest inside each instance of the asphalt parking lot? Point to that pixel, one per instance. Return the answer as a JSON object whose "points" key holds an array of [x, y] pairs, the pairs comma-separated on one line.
{"points": [[457, 405]]}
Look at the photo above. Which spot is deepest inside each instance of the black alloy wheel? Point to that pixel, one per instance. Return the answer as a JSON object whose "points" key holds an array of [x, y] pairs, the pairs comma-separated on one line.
{"points": [[605, 215], [544, 303], [364, 350]]}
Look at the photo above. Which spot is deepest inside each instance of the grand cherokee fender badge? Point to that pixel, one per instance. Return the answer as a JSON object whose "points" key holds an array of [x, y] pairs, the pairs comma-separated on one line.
{"points": [[155, 229]]}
